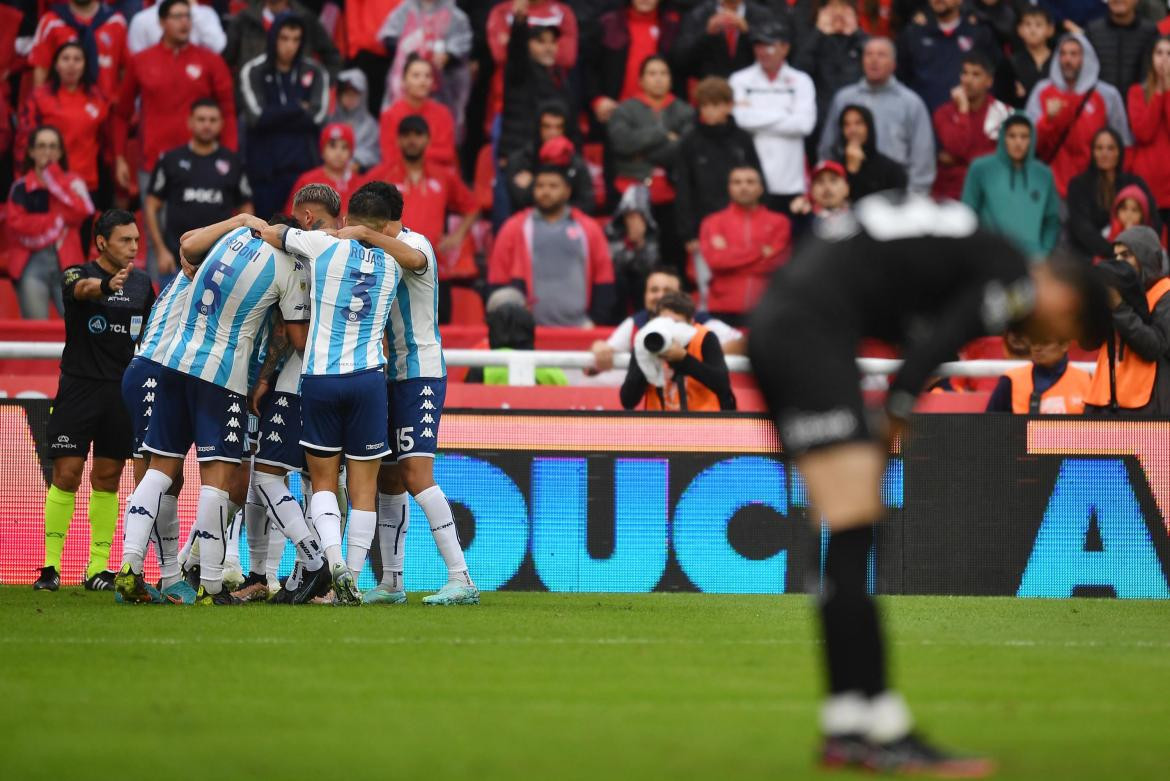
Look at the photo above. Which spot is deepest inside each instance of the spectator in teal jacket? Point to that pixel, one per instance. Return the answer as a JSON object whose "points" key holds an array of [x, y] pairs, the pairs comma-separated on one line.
{"points": [[1013, 193]]}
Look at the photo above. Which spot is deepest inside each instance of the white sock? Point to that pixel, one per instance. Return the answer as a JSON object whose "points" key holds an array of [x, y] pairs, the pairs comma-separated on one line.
{"points": [[359, 534], [845, 714], [294, 579], [189, 548], [231, 543], [434, 504], [889, 718], [167, 527], [214, 523], [274, 553], [142, 510], [288, 517], [256, 529], [327, 518], [393, 521]]}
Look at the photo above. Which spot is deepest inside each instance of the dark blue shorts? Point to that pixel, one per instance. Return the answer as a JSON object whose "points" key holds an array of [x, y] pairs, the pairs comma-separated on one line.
{"points": [[189, 411], [413, 420], [345, 414], [139, 391], [280, 432]]}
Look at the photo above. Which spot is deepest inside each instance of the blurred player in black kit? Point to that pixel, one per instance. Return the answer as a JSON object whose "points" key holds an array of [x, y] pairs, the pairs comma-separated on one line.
{"points": [[921, 275]]}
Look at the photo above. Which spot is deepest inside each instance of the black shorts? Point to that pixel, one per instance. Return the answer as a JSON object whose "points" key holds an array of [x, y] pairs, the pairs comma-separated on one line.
{"points": [[90, 412], [806, 367]]}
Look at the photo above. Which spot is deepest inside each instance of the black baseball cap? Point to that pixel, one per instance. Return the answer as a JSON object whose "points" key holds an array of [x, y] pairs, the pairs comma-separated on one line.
{"points": [[413, 123], [771, 31]]}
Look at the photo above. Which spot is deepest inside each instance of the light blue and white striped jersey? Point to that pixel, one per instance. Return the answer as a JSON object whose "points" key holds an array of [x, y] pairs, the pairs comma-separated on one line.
{"points": [[165, 318], [353, 288], [415, 347], [231, 294]]}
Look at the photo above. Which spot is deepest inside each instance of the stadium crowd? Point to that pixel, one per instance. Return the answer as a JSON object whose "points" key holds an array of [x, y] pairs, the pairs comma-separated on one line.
{"points": [[568, 148]]}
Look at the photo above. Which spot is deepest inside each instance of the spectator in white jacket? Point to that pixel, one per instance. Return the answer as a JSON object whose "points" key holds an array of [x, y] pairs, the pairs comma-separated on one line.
{"points": [[777, 105], [206, 30]]}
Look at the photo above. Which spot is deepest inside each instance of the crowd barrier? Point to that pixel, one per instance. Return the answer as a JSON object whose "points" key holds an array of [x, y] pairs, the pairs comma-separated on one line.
{"points": [[991, 505]]}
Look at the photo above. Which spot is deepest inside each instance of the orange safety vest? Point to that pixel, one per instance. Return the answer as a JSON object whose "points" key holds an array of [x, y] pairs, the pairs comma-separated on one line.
{"points": [[1134, 375], [700, 398], [1065, 397]]}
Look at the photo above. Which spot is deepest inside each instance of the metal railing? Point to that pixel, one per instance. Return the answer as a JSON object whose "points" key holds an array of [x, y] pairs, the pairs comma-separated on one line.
{"points": [[522, 364]]}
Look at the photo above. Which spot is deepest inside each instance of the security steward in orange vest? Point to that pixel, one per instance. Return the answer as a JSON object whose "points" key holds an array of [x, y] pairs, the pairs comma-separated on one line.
{"points": [[698, 380], [1048, 387], [1138, 382]]}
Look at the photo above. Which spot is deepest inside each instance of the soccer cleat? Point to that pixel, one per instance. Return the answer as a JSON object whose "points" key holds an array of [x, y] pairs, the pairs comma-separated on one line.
{"points": [[382, 595], [224, 597], [180, 593], [913, 756], [49, 580], [100, 581], [344, 586], [454, 593], [844, 751], [191, 575], [255, 589], [233, 576], [314, 583], [130, 588]]}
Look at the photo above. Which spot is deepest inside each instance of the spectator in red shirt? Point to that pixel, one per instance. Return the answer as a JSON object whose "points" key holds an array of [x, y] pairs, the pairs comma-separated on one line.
{"points": [[621, 41], [557, 256], [431, 194], [70, 102], [1149, 114], [418, 82], [169, 77], [99, 29], [743, 245], [44, 210], [539, 13], [966, 126], [337, 148]]}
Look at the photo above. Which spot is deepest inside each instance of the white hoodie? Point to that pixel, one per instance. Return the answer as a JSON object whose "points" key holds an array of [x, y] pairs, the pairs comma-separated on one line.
{"points": [[778, 114]]}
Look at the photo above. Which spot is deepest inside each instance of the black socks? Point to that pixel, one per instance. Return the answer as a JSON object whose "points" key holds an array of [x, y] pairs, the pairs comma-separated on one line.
{"points": [[854, 651]]}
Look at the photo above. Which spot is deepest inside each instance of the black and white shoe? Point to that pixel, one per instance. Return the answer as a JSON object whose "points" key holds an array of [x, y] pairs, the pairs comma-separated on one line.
{"points": [[192, 576], [914, 756], [314, 583], [101, 581], [844, 751], [50, 580]]}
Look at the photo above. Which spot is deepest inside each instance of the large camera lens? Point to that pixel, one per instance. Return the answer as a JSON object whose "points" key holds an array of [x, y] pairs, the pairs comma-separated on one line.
{"points": [[654, 342]]}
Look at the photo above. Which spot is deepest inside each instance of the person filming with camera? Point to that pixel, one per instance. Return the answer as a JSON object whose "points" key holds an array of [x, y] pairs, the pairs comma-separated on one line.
{"points": [[1133, 366], [678, 364]]}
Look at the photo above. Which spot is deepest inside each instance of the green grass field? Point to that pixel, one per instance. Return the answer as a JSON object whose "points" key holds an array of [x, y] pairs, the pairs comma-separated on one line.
{"points": [[550, 686]]}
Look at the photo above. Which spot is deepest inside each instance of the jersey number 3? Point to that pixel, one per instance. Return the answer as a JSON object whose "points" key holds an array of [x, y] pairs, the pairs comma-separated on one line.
{"points": [[360, 304]]}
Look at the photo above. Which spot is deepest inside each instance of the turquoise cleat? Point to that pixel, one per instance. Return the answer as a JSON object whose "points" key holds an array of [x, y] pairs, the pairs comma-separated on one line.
{"points": [[454, 593], [382, 595], [179, 593]]}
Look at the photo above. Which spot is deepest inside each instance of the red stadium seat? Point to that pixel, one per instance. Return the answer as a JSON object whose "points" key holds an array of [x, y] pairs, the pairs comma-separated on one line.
{"points": [[9, 304]]}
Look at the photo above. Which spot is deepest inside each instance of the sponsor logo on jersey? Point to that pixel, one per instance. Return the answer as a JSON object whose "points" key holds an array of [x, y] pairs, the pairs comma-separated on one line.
{"points": [[376, 446], [205, 449], [185, 164], [63, 439], [97, 324], [203, 195]]}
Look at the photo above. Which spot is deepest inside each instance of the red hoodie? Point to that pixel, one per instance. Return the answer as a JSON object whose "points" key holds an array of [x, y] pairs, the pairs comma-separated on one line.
{"points": [[1072, 155], [964, 137], [169, 81], [81, 116], [40, 214], [1150, 156], [742, 247], [1127, 193]]}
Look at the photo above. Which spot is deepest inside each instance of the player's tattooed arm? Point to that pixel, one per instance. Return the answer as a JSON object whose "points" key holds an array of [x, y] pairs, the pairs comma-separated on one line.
{"points": [[407, 256], [274, 235], [195, 243]]}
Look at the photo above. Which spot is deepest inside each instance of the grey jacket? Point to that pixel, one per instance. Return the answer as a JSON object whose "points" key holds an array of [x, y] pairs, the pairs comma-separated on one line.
{"points": [[638, 136], [365, 127]]}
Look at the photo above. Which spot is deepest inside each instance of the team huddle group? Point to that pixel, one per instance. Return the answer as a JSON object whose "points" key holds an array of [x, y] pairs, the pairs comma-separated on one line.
{"points": [[329, 335]]}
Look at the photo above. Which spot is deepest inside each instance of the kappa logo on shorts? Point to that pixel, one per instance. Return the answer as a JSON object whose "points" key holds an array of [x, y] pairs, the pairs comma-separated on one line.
{"points": [[427, 404], [148, 397], [149, 411], [151, 382], [426, 391], [278, 419], [231, 437], [427, 418], [273, 437], [234, 409], [282, 402], [233, 423], [426, 432]]}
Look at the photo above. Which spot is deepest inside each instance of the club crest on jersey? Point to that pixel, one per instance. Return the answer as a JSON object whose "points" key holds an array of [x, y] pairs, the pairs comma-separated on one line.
{"points": [[92, 110], [307, 79], [223, 166], [194, 71], [135, 326]]}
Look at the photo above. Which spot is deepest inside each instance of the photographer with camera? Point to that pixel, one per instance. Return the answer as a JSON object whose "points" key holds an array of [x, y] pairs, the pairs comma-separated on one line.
{"points": [[678, 364], [1133, 366]]}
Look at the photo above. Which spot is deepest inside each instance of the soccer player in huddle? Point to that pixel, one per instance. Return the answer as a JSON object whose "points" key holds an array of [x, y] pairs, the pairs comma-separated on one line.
{"points": [[343, 391], [201, 391]]}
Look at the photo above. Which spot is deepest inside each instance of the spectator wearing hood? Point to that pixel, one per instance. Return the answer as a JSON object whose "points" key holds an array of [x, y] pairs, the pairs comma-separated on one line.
{"points": [[633, 245], [715, 37], [1130, 209], [439, 32], [742, 244], [1122, 40], [336, 146], [352, 109], [285, 99], [898, 120], [644, 133], [1091, 195], [1013, 193], [706, 155], [967, 126], [557, 256], [618, 44], [99, 29], [831, 53], [931, 50], [418, 84], [550, 146], [867, 169], [1149, 114], [248, 34], [1070, 106], [1133, 368]]}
